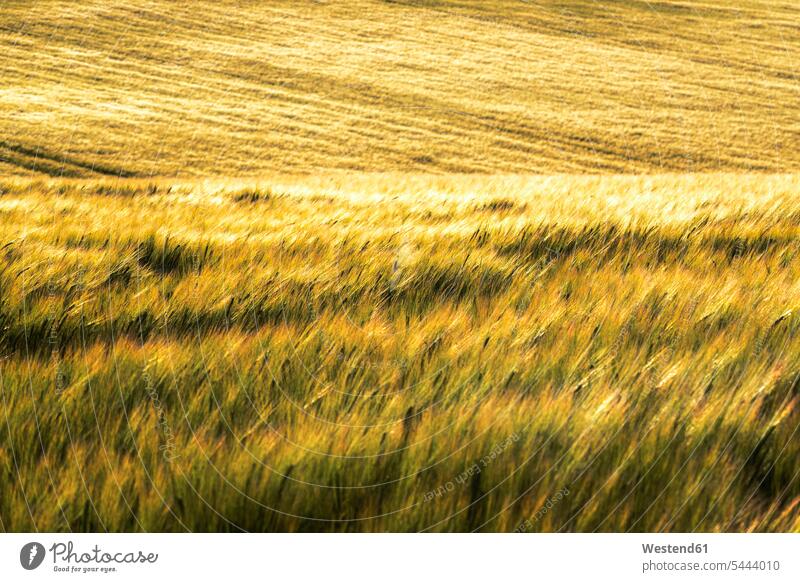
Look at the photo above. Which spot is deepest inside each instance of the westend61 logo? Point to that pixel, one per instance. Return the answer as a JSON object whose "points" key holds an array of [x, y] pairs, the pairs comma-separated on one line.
{"points": [[66, 559]]}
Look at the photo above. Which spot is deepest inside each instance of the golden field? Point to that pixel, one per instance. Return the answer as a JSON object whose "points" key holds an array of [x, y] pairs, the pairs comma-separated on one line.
{"points": [[399, 266], [155, 88], [339, 353]]}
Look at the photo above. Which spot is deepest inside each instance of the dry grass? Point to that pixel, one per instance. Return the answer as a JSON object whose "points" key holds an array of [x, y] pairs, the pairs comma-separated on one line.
{"points": [[340, 352], [250, 88]]}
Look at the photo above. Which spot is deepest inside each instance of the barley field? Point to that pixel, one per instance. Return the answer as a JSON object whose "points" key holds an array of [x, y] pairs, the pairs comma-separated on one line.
{"points": [[157, 88], [399, 266]]}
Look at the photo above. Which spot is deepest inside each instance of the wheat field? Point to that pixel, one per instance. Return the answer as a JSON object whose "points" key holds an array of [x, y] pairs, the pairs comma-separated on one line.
{"points": [[156, 88], [399, 266]]}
